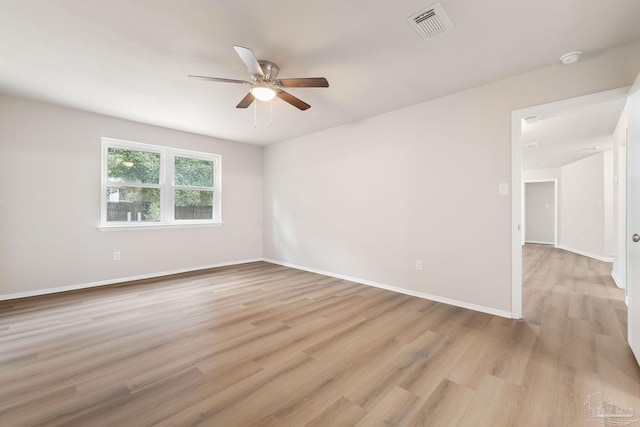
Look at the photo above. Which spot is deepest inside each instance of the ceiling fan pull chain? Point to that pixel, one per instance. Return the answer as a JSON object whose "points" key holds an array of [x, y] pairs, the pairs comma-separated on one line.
{"points": [[255, 114], [271, 105]]}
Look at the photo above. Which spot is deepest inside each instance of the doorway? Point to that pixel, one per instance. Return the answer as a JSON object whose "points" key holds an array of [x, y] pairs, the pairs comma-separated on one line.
{"points": [[540, 212], [521, 118]]}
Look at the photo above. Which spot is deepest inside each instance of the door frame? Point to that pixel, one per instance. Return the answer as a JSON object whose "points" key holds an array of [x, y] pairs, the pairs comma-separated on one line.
{"points": [[632, 251], [516, 177], [555, 208]]}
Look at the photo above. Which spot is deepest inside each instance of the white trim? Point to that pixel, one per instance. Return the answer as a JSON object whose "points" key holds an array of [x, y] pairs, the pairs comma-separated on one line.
{"points": [[516, 172], [587, 254], [457, 303], [430, 297], [118, 226], [616, 280], [121, 280], [517, 236], [635, 354], [535, 242]]}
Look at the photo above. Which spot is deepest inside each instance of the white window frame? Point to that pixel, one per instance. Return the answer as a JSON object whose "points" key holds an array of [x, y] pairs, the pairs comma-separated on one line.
{"points": [[166, 185]]}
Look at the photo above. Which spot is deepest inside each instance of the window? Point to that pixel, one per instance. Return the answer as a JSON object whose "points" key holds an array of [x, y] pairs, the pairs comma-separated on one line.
{"points": [[145, 185]]}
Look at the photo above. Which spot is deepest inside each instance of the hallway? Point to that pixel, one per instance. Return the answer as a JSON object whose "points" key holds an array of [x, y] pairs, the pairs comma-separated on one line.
{"points": [[583, 324]]}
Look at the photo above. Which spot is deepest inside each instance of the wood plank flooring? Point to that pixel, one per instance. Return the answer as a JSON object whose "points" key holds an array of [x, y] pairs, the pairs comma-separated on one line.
{"points": [[264, 345]]}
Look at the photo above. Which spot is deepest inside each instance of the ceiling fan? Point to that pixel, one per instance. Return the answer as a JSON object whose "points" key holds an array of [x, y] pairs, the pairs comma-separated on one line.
{"points": [[263, 84]]}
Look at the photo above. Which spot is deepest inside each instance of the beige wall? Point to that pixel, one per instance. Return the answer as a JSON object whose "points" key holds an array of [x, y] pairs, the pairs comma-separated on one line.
{"points": [[583, 220], [367, 199], [50, 202], [542, 173]]}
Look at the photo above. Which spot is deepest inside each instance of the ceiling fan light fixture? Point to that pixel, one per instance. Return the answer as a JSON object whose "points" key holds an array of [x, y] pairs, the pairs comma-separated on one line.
{"points": [[263, 92]]}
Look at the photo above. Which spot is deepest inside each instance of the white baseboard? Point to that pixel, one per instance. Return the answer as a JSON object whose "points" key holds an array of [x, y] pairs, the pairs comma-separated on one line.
{"points": [[120, 280], [457, 303], [539, 243], [450, 301], [616, 280], [587, 254]]}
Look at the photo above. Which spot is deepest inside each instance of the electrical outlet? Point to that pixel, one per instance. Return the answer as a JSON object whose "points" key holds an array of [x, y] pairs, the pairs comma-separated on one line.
{"points": [[116, 256], [418, 264]]}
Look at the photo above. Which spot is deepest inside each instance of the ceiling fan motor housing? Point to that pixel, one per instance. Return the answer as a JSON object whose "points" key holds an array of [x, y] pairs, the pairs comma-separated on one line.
{"points": [[269, 69]]}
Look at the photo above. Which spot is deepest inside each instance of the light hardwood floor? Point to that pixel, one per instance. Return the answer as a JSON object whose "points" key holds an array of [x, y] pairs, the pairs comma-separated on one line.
{"points": [[264, 345]]}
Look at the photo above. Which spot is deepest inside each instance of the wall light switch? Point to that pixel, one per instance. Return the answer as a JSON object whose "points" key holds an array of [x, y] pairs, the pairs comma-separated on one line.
{"points": [[418, 264], [503, 189]]}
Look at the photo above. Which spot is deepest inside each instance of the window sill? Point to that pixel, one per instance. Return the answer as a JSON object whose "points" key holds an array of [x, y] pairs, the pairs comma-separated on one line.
{"points": [[138, 226]]}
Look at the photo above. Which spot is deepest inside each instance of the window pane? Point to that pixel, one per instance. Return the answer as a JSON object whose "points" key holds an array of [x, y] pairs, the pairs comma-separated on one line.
{"points": [[133, 204], [194, 172], [194, 204], [133, 166]]}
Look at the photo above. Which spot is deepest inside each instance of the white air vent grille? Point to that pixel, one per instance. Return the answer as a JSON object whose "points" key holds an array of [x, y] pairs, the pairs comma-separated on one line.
{"points": [[431, 21]]}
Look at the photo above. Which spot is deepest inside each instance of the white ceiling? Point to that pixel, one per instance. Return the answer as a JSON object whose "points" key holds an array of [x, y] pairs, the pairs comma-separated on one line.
{"points": [[557, 139], [130, 58]]}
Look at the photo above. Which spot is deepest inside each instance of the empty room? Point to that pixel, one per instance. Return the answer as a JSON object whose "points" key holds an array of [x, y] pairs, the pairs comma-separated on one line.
{"points": [[333, 214]]}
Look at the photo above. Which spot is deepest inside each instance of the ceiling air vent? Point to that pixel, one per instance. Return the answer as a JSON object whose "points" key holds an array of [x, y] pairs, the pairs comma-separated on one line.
{"points": [[431, 21]]}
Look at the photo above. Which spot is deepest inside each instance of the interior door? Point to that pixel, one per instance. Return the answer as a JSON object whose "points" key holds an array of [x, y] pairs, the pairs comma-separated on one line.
{"points": [[540, 212], [633, 218]]}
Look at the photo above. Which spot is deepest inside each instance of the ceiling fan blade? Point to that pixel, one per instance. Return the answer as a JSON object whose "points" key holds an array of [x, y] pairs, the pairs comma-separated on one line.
{"points": [[250, 60], [296, 102], [304, 82], [246, 101], [218, 79]]}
